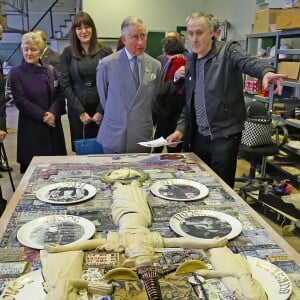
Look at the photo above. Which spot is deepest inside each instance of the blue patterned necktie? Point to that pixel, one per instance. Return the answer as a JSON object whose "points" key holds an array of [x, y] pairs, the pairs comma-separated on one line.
{"points": [[135, 72]]}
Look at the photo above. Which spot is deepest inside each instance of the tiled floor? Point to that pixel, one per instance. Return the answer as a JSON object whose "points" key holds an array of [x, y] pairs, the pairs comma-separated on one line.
{"points": [[10, 146]]}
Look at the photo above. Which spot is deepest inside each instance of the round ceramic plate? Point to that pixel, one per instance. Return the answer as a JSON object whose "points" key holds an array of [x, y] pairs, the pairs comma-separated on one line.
{"points": [[205, 224], [66, 192], [58, 229], [27, 286], [275, 282], [179, 189]]}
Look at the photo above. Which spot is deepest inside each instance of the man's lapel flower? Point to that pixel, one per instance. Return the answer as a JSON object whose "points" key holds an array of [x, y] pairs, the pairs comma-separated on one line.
{"points": [[153, 77]]}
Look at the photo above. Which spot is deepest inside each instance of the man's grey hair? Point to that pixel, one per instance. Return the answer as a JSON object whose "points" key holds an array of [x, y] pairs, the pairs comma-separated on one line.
{"points": [[212, 20], [130, 21]]}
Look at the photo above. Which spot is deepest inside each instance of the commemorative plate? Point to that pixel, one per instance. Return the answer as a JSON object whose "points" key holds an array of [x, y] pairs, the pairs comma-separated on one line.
{"points": [[24, 286], [58, 229], [179, 189], [205, 224], [66, 192], [275, 282]]}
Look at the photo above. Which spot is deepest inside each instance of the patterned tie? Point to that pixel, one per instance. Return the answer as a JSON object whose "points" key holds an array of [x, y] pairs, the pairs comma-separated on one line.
{"points": [[135, 71]]}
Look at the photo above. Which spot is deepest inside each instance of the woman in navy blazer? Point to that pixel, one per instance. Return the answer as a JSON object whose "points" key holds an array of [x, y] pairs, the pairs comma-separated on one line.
{"points": [[40, 99], [78, 64]]}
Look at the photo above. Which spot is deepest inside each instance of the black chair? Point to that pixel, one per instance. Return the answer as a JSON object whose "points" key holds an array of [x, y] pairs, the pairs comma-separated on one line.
{"points": [[3, 157], [3, 202], [257, 156], [251, 184]]}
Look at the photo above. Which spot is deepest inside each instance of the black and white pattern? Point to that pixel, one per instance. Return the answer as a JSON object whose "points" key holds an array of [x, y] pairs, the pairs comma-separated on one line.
{"points": [[257, 131]]}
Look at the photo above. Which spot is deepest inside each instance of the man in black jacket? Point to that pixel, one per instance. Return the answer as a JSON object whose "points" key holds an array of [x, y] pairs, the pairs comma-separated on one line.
{"points": [[214, 113]]}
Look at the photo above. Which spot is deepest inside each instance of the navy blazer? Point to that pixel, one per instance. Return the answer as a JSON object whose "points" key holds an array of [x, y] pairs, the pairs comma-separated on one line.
{"points": [[36, 90]]}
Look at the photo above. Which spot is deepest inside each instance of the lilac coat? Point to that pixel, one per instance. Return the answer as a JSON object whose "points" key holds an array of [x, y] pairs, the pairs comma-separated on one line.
{"points": [[36, 90]]}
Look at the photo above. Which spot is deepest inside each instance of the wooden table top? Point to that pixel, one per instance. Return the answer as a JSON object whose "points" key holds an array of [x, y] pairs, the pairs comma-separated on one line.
{"points": [[23, 206]]}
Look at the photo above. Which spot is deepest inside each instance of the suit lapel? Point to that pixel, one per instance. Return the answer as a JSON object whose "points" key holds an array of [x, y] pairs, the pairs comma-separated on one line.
{"points": [[47, 53], [126, 72], [125, 77], [145, 80], [146, 70], [74, 68]]}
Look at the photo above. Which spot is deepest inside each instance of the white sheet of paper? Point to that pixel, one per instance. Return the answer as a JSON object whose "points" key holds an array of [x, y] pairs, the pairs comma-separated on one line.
{"points": [[156, 143]]}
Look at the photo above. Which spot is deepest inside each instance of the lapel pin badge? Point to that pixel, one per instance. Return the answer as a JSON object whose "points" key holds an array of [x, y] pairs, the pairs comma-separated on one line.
{"points": [[153, 76]]}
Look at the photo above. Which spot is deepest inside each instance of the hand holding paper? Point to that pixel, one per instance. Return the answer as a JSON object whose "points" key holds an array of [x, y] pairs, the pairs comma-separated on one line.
{"points": [[158, 143]]}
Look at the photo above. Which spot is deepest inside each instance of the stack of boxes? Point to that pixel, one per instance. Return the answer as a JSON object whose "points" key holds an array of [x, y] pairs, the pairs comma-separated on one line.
{"points": [[288, 18], [280, 16], [271, 19]]}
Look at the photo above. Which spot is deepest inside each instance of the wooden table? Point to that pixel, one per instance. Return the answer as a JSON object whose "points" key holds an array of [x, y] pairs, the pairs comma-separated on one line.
{"points": [[257, 237]]}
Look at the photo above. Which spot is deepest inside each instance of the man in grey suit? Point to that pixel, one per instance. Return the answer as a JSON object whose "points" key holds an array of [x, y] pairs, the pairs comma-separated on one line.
{"points": [[127, 102]]}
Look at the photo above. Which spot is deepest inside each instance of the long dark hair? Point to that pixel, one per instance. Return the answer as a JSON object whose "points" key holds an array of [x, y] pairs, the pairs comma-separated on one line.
{"points": [[83, 18]]}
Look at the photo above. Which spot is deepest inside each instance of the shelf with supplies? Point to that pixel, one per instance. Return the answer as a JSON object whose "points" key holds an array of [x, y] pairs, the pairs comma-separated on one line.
{"points": [[291, 84], [261, 98], [281, 48], [289, 170], [290, 150], [289, 51], [285, 59], [291, 122], [277, 34]]}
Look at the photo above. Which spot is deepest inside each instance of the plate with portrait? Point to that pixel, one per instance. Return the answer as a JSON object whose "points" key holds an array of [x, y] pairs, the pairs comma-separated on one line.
{"points": [[179, 189], [205, 224], [66, 192], [30, 284], [57, 229], [275, 282]]}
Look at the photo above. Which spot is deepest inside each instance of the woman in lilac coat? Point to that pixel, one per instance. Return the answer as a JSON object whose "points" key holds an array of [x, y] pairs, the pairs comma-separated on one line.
{"points": [[40, 99]]}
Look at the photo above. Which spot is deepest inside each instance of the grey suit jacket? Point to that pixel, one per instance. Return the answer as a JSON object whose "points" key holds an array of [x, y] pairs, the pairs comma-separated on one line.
{"points": [[127, 111]]}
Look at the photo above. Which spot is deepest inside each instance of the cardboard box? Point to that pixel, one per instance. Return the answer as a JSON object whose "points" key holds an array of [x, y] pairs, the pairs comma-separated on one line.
{"points": [[288, 18], [278, 3], [264, 19], [3, 20], [291, 68]]}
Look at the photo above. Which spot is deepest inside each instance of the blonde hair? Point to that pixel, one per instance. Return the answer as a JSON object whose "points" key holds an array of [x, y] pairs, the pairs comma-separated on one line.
{"points": [[42, 34], [33, 38], [173, 34]]}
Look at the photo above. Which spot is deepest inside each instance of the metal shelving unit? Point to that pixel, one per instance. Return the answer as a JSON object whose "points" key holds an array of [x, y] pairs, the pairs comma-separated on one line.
{"points": [[276, 38], [286, 121]]}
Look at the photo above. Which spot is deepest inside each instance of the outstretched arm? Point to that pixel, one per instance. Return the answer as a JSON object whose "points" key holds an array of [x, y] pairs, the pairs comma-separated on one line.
{"points": [[191, 243], [84, 245]]}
